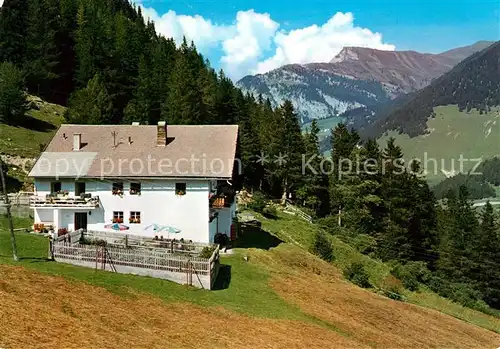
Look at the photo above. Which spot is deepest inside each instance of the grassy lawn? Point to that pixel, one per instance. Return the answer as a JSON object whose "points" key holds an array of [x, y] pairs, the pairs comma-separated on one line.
{"points": [[452, 133], [242, 286], [248, 290], [24, 140], [294, 230], [297, 231]]}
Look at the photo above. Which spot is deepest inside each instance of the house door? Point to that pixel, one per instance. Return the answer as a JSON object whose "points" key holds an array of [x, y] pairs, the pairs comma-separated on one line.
{"points": [[81, 220]]}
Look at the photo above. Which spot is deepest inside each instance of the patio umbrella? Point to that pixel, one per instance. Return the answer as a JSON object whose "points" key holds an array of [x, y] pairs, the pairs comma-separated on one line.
{"points": [[116, 226], [157, 228], [170, 230]]}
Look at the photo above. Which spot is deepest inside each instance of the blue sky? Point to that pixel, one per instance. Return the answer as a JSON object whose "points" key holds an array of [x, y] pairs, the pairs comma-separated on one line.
{"points": [[245, 37]]}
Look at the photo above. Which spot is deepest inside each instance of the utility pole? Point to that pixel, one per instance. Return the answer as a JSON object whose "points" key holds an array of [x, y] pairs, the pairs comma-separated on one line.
{"points": [[9, 215]]}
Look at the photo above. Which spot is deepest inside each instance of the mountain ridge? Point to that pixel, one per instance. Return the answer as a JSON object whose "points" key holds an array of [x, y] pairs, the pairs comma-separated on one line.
{"points": [[357, 77]]}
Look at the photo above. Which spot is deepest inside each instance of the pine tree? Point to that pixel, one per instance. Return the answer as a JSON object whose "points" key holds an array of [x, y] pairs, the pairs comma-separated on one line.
{"points": [[12, 96], [291, 148], [457, 258], [183, 104], [488, 250], [42, 54], [13, 31], [314, 191], [91, 105]]}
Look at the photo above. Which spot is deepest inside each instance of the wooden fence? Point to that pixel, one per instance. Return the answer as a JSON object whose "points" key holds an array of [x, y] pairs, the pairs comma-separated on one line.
{"points": [[157, 259], [131, 240], [135, 251], [298, 212]]}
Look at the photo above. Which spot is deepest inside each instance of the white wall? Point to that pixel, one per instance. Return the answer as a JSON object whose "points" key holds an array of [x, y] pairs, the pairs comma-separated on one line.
{"points": [[44, 215], [157, 203]]}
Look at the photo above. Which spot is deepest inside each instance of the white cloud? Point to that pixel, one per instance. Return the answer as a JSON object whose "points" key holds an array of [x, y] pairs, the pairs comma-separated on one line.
{"points": [[320, 43], [1, 3], [253, 44], [254, 34], [203, 32]]}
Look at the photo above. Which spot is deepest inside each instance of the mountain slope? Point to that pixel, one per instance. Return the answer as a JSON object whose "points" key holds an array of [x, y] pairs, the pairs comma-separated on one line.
{"points": [[356, 77], [474, 83], [268, 302]]}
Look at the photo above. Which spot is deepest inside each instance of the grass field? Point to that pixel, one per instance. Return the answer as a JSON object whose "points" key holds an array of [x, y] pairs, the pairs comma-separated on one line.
{"points": [[452, 134], [25, 140], [282, 297], [325, 125]]}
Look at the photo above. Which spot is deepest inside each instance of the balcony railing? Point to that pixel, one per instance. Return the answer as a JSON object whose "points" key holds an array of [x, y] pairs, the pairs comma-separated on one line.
{"points": [[64, 201]]}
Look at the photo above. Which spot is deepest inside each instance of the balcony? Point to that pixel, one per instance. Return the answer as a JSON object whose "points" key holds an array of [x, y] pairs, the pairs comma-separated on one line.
{"points": [[220, 200], [64, 201]]}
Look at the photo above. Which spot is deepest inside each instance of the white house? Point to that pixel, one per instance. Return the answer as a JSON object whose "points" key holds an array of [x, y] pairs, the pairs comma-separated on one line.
{"points": [[91, 176]]}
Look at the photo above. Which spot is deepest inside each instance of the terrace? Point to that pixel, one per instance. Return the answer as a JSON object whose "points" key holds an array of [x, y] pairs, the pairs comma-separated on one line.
{"points": [[64, 201], [194, 264]]}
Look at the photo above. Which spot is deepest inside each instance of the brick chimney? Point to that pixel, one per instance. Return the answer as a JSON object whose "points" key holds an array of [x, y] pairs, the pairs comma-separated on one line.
{"points": [[77, 141], [161, 134]]}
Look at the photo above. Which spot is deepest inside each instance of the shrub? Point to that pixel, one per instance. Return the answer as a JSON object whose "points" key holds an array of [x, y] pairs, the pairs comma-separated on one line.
{"points": [[206, 252], [258, 202], [270, 212], [412, 274], [364, 243], [392, 288], [322, 246], [357, 274]]}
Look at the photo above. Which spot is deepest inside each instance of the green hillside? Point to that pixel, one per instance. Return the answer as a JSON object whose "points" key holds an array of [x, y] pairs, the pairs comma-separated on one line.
{"points": [[269, 292], [27, 139], [325, 125], [452, 133]]}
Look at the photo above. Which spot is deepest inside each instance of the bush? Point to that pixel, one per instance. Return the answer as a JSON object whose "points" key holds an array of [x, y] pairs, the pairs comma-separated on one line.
{"points": [[221, 239], [270, 212], [206, 252], [364, 243], [392, 288], [322, 246], [412, 274], [258, 202], [357, 274]]}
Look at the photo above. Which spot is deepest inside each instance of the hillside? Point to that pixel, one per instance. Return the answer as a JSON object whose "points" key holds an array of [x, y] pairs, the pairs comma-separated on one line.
{"points": [[27, 139], [483, 185], [356, 77], [20, 144], [452, 133], [474, 83], [266, 302]]}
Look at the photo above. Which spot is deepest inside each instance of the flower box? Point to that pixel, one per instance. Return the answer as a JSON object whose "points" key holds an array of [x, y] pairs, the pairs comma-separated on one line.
{"points": [[134, 220], [117, 220]]}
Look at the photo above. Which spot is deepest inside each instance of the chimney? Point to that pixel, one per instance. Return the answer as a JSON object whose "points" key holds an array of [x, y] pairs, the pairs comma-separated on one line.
{"points": [[161, 135], [77, 141]]}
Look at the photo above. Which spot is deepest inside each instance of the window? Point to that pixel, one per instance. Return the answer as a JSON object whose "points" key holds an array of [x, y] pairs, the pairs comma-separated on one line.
{"points": [[117, 216], [135, 188], [79, 188], [118, 188], [55, 187], [180, 188], [135, 217]]}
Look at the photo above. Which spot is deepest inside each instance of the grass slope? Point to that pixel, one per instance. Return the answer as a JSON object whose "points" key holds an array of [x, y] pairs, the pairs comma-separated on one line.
{"points": [[325, 125], [24, 140], [451, 134], [283, 297]]}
